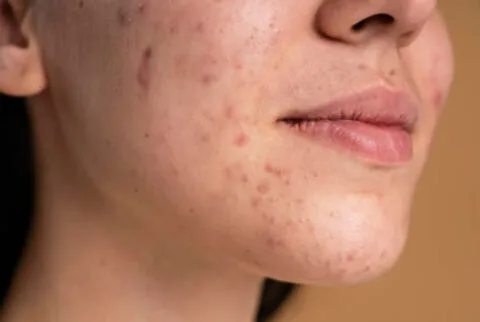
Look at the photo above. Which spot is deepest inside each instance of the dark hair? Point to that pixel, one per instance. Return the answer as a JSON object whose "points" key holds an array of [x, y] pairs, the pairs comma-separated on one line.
{"points": [[18, 198]]}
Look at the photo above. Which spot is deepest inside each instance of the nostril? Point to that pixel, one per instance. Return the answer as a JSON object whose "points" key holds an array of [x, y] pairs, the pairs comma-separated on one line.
{"points": [[379, 19]]}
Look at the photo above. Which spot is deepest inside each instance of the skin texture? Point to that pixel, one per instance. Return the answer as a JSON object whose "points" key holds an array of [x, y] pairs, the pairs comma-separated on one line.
{"points": [[160, 159]]}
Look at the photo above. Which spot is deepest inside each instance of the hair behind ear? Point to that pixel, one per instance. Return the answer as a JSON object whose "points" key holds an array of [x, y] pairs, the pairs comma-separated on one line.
{"points": [[17, 180]]}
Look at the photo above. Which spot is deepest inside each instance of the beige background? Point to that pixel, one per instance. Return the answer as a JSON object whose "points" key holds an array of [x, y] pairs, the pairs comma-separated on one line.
{"points": [[438, 278]]}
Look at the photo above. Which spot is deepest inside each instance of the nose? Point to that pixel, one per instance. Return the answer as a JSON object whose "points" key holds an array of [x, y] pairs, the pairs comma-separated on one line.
{"points": [[361, 21]]}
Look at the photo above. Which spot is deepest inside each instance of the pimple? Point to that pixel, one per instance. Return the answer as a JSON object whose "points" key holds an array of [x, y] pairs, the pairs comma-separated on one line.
{"points": [[276, 171], [362, 67], [241, 140], [144, 72], [238, 66], [244, 178]]}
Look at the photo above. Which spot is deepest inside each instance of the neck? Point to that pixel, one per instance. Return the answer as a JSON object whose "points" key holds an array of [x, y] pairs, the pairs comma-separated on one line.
{"points": [[76, 269]]}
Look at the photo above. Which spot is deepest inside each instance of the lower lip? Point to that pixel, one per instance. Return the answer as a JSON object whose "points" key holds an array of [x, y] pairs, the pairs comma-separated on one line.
{"points": [[379, 144]]}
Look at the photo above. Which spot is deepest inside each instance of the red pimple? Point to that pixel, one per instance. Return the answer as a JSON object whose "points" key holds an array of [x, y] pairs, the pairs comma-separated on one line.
{"points": [[208, 79]]}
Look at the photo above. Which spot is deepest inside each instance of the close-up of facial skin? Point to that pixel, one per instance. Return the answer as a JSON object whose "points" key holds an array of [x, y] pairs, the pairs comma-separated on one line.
{"points": [[281, 138]]}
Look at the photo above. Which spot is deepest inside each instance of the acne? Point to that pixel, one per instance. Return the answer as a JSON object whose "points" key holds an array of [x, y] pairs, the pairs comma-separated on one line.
{"points": [[263, 188], [244, 178], [438, 98], [241, 140], [81, 4], [144, 71], [275, 171]]}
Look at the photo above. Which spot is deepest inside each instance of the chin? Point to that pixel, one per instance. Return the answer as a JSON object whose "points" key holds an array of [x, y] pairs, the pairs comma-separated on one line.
{"points": [[344, 245]]}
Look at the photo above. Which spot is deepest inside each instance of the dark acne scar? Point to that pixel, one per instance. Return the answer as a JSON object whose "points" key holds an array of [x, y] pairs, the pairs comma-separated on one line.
{"points": [[144, 72]]}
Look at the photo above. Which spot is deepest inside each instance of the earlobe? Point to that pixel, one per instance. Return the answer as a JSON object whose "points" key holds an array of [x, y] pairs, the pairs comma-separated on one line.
{"points": [[21, 68]]}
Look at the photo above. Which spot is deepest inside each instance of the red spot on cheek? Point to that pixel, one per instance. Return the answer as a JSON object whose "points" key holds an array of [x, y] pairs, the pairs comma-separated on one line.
{"points": [[241, 140], [200, 27], [244, 178], [144, 72]]}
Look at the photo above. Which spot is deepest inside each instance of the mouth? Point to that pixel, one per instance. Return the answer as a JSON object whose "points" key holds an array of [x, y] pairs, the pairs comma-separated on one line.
{"points": [[376, 126]]}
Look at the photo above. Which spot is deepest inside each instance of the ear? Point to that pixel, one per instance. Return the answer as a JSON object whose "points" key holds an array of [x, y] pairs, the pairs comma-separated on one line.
{"points": [[21, 68]]}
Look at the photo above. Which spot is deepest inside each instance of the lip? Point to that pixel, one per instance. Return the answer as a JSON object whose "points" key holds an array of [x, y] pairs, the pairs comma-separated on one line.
{"points": [[375, 125]]}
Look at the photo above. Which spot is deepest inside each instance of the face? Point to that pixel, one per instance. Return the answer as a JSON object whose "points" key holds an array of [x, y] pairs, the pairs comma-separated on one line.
{"points": [[283, 136]]}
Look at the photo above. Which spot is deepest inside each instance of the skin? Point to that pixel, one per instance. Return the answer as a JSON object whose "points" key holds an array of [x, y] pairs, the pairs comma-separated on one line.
{"points": [[167, 187]]}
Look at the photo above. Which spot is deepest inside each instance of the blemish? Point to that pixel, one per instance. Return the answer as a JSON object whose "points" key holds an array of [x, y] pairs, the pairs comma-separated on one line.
{"points": [[238, 66], [392, 72], [147, 135], [438, 99], [351, 257], [173, 30], [229, 112], [81, 4], [241, 140], [244, 178], [144, 72], [205, 137], [263, 188], [124, 19], [208, 79], [256, 202], [200, 27], [276, 171], [362, 67]]}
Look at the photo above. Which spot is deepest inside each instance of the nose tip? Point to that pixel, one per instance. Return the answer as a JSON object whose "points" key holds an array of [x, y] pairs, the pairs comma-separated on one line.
{"points": [[360, 21]]}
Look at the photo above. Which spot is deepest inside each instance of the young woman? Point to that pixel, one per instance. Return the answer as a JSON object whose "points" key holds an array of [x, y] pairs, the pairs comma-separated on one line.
{"points": [[186, 150]]}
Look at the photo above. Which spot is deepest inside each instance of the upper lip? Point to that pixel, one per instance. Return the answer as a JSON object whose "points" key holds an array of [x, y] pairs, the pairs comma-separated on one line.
{"points": [[376, 106]]}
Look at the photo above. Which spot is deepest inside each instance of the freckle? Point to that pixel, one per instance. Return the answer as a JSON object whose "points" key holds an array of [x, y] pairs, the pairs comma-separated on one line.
{"points": [[135, 190], [147, 135], [241, 140], [300, 201], [263, 188], [393, 72], [144, 72], [367, 268], [81, 4]]}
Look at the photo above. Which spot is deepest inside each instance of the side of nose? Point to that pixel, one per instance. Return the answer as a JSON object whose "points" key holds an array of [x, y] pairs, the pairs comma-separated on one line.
{"points": [[360, 21]]}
